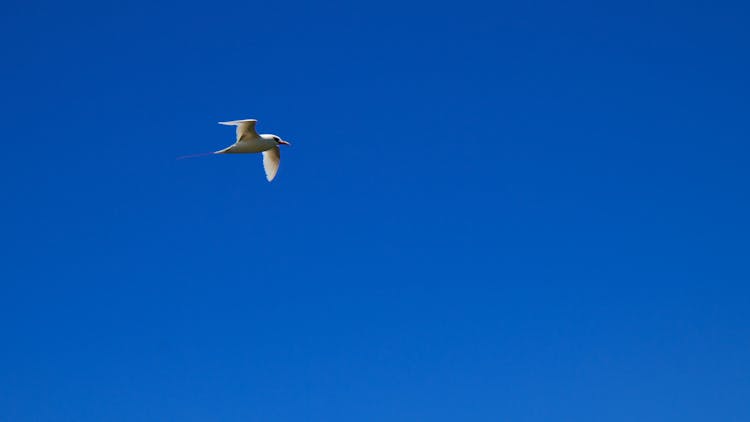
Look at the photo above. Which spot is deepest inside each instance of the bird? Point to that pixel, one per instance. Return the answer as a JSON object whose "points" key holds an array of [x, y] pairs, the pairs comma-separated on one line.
{"points": [[249, 141]]}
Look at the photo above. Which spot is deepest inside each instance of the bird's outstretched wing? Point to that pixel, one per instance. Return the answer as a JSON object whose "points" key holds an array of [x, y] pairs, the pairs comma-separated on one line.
{"points": [[245, 128], [271, 160]]}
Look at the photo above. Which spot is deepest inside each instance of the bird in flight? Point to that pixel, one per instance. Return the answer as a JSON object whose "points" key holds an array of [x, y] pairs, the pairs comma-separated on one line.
{"points": [[249, 141]]}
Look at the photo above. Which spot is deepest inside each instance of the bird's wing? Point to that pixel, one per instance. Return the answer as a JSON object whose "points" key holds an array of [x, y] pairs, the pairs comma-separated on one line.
{"points": [[271, 160], [245, 128]]}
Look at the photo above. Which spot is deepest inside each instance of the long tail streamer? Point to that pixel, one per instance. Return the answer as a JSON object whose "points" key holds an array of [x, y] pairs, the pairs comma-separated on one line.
{"points": [[203, 154]]}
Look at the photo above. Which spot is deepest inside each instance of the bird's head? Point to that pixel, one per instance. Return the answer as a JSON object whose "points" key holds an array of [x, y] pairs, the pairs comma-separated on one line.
{"points": [[280, 141]]}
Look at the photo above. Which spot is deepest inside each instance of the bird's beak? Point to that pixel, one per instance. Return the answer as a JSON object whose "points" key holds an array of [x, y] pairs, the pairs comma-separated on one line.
{"points": [[285, 143]]}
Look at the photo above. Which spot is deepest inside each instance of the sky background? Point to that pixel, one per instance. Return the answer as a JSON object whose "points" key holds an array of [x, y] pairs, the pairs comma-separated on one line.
{"points": [[521, 211]]}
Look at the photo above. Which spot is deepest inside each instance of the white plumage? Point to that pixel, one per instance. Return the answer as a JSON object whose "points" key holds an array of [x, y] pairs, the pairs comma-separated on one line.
{"points": [[249, 141]]}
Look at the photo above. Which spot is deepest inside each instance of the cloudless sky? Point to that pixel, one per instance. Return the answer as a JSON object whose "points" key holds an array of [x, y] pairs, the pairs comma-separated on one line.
{"points": [[490, 211]]}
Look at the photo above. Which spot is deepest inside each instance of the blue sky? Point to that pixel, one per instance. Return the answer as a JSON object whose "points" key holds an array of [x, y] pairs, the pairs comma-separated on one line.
{"points": [[522, 211]]}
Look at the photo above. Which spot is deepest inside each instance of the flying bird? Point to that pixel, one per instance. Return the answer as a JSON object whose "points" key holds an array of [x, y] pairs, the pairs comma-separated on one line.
{"points": [[248, 141]]}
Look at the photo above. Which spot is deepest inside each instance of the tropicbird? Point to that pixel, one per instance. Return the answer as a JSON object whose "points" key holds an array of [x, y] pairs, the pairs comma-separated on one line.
{"points": [[248, 141]]}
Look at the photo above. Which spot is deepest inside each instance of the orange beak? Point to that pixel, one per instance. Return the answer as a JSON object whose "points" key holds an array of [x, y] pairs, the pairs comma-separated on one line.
{"points": [[285, 143]]}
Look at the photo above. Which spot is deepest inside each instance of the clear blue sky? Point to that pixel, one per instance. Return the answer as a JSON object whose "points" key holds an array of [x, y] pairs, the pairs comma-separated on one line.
{"points": [[525, 211]]}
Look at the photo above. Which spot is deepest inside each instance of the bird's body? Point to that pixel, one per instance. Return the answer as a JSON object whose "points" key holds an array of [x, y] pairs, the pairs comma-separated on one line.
{"points": [[249, 146], [249, 141]]}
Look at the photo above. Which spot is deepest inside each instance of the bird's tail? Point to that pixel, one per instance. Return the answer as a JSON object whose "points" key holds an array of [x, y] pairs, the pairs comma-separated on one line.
{"points": [[203, 154]]}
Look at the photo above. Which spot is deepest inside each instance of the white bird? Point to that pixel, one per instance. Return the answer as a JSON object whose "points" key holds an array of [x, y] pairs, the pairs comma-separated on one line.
{"points": [[248, 141]]}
